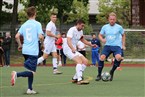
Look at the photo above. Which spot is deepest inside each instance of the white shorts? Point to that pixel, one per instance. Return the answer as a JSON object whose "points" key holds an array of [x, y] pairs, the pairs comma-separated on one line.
{"points": [[48, 48], [70, 54]]}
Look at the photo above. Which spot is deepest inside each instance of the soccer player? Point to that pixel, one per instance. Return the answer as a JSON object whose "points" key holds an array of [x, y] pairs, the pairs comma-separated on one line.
{"points": [[49, 43], [95, 50], [113, 43], [75, 34], [31, 31]]}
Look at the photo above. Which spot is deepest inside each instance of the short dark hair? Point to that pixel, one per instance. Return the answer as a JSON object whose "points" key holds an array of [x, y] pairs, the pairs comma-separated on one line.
{"points": [[80, 21], [31, 11], [53, 13], [93, 34]]}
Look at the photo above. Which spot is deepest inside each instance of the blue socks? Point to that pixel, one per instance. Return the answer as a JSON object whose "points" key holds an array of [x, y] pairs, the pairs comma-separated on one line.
{"points": [[116, 64], [100, 67], [29, 75]]}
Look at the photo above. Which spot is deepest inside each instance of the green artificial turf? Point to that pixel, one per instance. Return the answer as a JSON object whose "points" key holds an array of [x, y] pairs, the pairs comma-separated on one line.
{"points": [[130, 82]]}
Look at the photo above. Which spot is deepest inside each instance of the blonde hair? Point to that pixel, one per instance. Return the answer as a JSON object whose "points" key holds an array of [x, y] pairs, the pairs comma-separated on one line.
{"points": [[112, 14]]}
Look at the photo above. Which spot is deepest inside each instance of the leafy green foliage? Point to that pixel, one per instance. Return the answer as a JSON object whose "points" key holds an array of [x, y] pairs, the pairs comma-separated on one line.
{"points": [[120, 7], [78, 11], [5, 18]]}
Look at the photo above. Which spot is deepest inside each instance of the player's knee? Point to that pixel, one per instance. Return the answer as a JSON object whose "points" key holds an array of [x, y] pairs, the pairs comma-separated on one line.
{"points": [[102, 57], [85, 62], [118, 57], [45, 56]]}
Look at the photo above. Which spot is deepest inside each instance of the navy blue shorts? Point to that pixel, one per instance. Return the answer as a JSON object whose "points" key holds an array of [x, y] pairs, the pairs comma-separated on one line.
{"points": [[107, 50], [30, 62]]}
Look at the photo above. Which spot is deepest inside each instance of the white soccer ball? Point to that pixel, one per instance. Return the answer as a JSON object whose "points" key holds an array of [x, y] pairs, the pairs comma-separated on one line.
{"points": [[105, 76]]}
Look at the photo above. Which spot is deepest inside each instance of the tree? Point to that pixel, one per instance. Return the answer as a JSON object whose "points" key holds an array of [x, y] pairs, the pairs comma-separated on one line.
{"points": [[45, 7], [14, 23], [79, 11], [120, 7], [5, 16], [1, 1]]}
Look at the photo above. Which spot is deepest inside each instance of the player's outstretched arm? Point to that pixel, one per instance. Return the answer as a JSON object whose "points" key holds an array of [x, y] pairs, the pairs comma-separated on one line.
{"points": [[87, 43]]}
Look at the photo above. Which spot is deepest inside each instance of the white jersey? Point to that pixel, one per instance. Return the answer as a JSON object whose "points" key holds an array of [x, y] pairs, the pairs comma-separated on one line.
{"points": [[75, 36], [52, 28]]}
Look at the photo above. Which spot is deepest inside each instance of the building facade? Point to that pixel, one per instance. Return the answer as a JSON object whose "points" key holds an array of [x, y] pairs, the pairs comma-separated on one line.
{"points": [[138, 12]]}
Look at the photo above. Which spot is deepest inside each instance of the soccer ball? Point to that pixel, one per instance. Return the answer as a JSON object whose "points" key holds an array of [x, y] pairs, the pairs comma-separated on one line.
{"points": [[105, 76]]}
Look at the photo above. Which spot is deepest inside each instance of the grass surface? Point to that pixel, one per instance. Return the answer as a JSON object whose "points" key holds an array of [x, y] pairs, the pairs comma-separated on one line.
{"points": [[130, 82]]}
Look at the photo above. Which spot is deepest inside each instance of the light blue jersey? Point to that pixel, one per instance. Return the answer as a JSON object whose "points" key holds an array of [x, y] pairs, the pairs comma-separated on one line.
{"points": [[30, 31], [112, 34]]}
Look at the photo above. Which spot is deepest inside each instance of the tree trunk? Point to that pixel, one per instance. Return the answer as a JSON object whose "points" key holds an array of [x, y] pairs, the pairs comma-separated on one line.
{"points": [[1, 1], [13, 25]]}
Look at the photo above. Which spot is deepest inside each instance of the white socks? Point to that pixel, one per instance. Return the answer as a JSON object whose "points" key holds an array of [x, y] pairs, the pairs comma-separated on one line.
{"points": [[75, 76], [59, 63], [54, 62], [83, 67], [79, 72], [41, 59]]}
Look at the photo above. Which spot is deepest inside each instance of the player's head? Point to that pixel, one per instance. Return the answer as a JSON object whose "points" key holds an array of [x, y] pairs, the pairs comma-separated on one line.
{"points": [[93, 36], [8, 34], [80, 24], [53, 17], [31, 12], [112, 18], [63, 35], [59, 35]]}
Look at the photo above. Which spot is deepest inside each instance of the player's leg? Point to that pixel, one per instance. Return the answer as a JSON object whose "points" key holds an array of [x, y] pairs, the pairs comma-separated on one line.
{"points": [[46, 52], [117, 52], [80, 67], [106, 52], [122, 55], [97, 57], [93, 58], [42, 58], [59, 57], [54, 62], [31, 64]]}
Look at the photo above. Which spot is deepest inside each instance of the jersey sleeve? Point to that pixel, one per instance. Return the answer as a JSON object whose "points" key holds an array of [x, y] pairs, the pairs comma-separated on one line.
{"points": [[121, 30], [49, 27], [21, 30], [102, 30], [40, 29], [70, 33]]}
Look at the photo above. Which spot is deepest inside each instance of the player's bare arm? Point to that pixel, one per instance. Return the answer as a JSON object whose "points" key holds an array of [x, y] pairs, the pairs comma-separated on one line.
{"points": [[123, 42], [17, 37], [41, 38], [50, 34], [87, 43], [70, 44], [101, 38]]}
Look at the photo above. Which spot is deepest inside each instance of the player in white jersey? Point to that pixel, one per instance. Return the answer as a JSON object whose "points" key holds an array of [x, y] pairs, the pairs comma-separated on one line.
{"points": [[31, 31], [49, 43], [75, 34]]}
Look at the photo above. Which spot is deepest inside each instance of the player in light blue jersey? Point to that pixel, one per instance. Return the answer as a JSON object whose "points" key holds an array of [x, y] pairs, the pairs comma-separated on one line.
{"points": [[31, 31], [110, 35]]}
